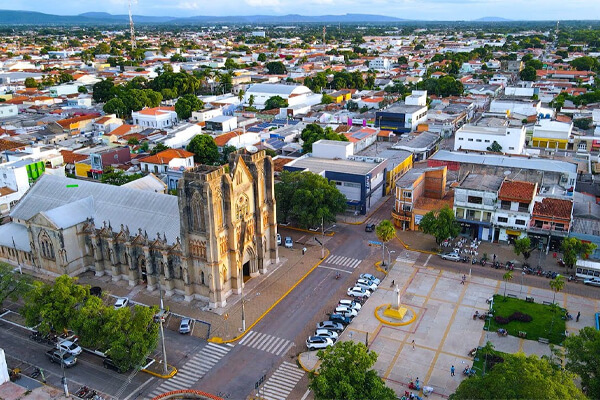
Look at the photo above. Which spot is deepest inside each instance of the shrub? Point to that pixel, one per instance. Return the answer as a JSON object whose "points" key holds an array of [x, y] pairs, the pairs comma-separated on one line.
{"points": [[501, 320], [519, 316]]}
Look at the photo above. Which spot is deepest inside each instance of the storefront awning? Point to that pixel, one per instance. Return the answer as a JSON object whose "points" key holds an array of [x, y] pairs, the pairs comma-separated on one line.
{"points": [[514, 233]]}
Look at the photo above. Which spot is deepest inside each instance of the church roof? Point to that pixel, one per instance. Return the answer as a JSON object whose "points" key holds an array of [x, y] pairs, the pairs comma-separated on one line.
{"points": [[71, 214], [16, 232], [137, 209]]}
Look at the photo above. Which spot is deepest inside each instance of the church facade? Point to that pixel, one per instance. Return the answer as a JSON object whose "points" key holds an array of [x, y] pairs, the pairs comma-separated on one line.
{"points": [[203, 244]]}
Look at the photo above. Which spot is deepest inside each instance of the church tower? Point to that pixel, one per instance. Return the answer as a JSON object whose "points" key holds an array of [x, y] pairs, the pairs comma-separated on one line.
{"points": [[228, 225]]}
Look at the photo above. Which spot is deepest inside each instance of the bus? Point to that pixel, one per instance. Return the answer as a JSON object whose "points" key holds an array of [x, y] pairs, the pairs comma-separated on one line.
{"points": [[587, 270]]}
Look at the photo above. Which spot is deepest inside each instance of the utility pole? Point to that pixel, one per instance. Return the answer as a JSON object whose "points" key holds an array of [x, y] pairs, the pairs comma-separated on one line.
{"points": [[322, 240], [162, 332], [64, 378]]}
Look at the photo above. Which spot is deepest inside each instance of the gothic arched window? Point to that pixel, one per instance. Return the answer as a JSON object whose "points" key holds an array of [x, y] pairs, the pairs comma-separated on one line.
{"points": [[46, 246]]}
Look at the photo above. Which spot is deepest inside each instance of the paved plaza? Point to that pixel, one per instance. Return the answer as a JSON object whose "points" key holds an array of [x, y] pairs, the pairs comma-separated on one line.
{"points": [[444, 330]]}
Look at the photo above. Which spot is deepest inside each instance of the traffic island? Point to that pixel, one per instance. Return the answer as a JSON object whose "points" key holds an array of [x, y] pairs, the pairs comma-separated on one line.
{"points": [[397, 314], [156, 369], [309, 361]]}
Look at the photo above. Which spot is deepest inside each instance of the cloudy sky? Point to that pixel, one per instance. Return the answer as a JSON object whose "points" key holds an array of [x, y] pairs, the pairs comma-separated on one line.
{"points": [[409, 9]]}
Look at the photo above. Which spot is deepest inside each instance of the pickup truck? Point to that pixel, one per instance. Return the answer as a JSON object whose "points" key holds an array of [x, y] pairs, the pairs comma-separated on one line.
{"points": [[56, 356]]}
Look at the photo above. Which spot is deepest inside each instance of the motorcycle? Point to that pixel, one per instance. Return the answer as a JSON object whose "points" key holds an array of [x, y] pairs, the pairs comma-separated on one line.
{"points": [[482, 262], [573, 279], [509, 266], [497, 264], [464, 259], [474, 260], [337, 275], [561, 262]]}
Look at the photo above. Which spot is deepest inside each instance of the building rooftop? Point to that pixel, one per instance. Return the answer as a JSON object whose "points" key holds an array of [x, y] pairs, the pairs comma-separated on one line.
{"points": [[488, 183], [553, 208], [401, 108], [320, 165], [519, 191], [409, 178]]}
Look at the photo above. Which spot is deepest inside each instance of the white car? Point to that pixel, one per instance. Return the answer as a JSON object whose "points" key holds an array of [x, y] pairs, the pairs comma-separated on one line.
{"points": [[350, 304], [346, 312], [278, 239], [592, 282], [358, 292], [450, 256], [70, 347], [289, 243], [121, 302], [363, 283], [327, 333], [318, 342], [371, 278]]}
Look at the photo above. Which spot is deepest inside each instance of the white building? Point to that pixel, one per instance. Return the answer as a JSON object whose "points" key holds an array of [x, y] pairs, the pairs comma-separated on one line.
{"points": [[167, 159], [206, 114], [222, 123], [596, 120], [8, 110], [551, 134], [294, 94], [417, 98], [332, 149], [480, 137], [516, 106], [157, 117], [513, 212], [380, 63]]}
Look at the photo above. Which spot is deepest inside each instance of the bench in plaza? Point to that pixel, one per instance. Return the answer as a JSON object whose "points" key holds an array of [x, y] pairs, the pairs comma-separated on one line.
{"points": [[547, 303], [543, 340]]}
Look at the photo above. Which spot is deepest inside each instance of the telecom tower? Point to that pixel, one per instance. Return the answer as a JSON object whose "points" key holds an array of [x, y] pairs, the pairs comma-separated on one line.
{"points": [[131, 28], [324, 35]]}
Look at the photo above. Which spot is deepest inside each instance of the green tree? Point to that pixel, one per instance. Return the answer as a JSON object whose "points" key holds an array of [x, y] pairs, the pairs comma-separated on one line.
{"points": [[585, 63], [528, 74], [326, 99], [251, 100], [89, 323], [225, 152], [205, 150], [573, 248], [103, 91], [581, 352], [30, 82], [307, 199], [508, 276], [12, 285], [345, 373], [275, 102], [385, 232], [116, 106], [314, 132], [117, 177], [276, 68], [158, 148], [520, 377], [82, 89], [262, 57], [495, 147], [441, 225], [557, 284], [54, 307], [523, 246], [241, 95]]}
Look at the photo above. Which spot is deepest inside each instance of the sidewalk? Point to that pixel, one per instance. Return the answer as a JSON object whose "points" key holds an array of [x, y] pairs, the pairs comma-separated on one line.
{"points": [[260, 293]]}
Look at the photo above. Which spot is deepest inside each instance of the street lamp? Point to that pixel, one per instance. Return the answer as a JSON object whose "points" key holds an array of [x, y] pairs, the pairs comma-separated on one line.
{"points": [[64, 378], [389, 256], [161, 318], [323, 237], [522, 276]]}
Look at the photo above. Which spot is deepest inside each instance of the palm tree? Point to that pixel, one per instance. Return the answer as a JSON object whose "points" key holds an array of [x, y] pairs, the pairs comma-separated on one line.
{"points": [[557, 284], [241, 95], [507, 277], [251, 100], [385, 231]]}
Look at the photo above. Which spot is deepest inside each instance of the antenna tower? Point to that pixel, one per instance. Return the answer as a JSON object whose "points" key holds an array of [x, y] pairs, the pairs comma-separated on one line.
{"points": [[324, 35], [131, 28]]}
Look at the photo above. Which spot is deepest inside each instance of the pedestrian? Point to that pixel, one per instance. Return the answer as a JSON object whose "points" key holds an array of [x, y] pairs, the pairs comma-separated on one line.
{"points": [[578, 315], [452, 370], [494, 258], [393, 283], [413, 344]]}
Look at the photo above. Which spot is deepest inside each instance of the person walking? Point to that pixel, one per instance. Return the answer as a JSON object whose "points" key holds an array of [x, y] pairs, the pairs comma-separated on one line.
{"points": [[576, 319], [464, 278], [452, 370], [413, 342]]}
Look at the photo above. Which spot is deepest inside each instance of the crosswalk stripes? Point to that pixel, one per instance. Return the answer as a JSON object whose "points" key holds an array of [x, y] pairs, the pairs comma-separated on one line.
{"points": [[282, 382], [193, 370], [374, 220], [408, 256], [343, 261], [269, 343]]}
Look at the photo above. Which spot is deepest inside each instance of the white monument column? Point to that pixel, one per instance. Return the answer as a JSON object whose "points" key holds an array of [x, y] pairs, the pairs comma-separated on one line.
{"points": [[3, 368]]}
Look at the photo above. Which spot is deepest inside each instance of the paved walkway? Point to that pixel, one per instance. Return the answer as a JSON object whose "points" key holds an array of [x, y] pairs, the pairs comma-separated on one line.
{"points": [[444, 331]]}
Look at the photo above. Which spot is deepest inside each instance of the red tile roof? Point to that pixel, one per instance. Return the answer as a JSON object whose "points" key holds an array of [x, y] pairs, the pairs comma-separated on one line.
{"points": [[70, 157], [9, 145], [520, 191], [165, 156], [156, 110], [65, 123], [555, 208], [121, 130]]}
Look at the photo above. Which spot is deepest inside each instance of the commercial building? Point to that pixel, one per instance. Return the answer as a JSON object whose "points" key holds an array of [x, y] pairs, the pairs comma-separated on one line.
{"points": [[549, 134], [484, 133], [401, 118], [157, 117], [550, 220], [512, 216]]}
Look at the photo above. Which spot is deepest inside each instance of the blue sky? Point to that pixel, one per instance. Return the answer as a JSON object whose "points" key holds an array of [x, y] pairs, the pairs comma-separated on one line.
{"points": [[409, 9]]}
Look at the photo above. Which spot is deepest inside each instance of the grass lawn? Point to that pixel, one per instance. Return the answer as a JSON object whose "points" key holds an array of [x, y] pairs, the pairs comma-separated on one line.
{"points": [[480, 359], [541, 324]]}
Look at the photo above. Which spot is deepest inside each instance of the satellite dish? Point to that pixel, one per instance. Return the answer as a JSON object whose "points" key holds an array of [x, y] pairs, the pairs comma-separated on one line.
{"points": [[251, 149], [507, 172]]}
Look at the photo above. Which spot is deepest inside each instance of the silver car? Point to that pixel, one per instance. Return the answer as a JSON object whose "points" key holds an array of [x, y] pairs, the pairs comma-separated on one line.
{"points": [[450, 256], [327, 333], [185, 326]]}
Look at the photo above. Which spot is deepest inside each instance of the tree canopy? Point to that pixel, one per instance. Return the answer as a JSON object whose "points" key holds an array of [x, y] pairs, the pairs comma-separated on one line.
{"points": [[574, 248], [205, 150], [523, 246], [529, 74], [117, 177], [304, 198], [275, 102], [520, 377], [12, 285], [314, 132], [345, 373], [276, 68], [186, 105], [581, 352], [444, 86], [441, 225]]}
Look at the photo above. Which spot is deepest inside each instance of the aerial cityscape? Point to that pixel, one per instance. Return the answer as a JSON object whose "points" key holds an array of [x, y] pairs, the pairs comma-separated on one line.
{"points": [[254, 200]]}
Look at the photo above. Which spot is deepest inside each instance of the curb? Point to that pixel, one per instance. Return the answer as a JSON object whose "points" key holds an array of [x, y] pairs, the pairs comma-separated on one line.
{"points": [[366, 216], [220, 340], [407, 247], [304, 230], [169, 375], [304, 368], [378, 268]]}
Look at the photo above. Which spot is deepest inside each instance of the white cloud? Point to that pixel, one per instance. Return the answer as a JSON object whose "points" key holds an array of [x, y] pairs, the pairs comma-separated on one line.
{"points": [[263, 3]]}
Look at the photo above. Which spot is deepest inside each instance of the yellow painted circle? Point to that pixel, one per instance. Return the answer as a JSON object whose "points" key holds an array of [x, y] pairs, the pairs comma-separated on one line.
{"points": [[383, 321]]}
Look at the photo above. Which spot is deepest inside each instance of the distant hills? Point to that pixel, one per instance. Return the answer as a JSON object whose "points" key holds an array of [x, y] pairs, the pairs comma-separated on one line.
{"points": [[11, 17]]}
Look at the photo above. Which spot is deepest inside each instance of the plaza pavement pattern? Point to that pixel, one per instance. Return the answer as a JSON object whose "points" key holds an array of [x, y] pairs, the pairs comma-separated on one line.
{"points": [[444, 331]]}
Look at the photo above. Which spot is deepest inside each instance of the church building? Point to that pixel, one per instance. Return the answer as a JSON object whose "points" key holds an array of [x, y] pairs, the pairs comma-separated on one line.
{"points": [[219, 231]]}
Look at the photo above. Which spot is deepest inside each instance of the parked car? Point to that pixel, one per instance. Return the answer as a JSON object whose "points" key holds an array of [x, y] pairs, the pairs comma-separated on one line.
{"points": [[366, 284], [340, 318], [358, 292], [346, 311], [369, 227], [121, 302], [592, 282], [350, 303], [318, 342], [278, 239], [110, 364], [64, 357], [185, 326], [371, 278], [96, 291], [327, 333], [69, 346], [289, 243], [330, 325], [451, 256]]}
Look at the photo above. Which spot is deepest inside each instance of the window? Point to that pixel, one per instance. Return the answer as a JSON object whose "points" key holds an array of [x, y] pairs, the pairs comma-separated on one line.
{"points": [[487, 141], [470, 140], [475, 200], [502, 219], [407, 194], [406, 207], [460, 138], [511, 148], [519, 222], [46, 246], [478, 140]]}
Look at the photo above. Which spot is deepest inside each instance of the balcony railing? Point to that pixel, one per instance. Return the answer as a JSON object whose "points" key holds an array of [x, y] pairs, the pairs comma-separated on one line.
{"points": [[547, 229]]}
